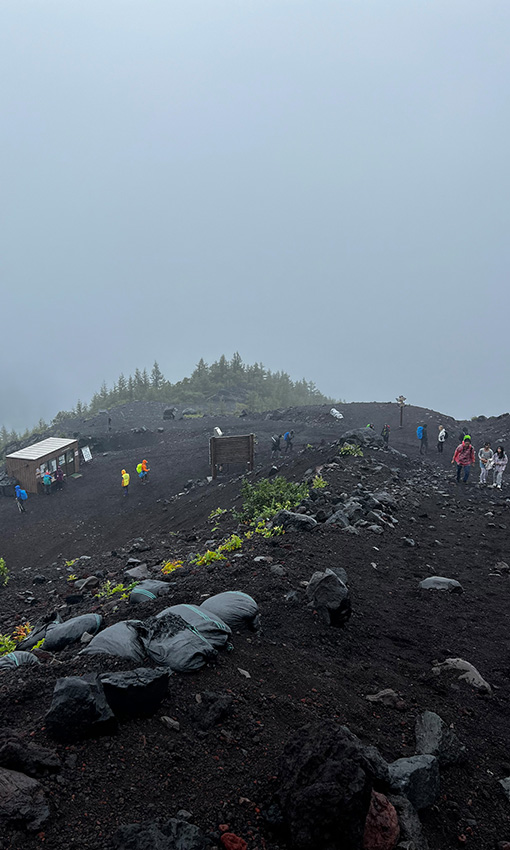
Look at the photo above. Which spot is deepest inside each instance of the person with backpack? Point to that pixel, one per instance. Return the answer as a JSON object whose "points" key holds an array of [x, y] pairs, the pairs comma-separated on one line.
{"points": [[275, 445], [385, 434], [143, 471], [125, 481], [499, 463], [21, 497], [421, 433], [441, 438], [47, 481], [288, 437], [485, 456], [464, 457]]}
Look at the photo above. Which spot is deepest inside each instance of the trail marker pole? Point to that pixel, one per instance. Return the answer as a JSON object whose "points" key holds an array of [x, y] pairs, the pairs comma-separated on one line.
{"points": [[401, 401]]}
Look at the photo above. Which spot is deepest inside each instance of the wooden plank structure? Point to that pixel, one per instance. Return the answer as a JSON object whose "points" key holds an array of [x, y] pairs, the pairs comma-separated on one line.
{"points": [[28, 465], [239, 449]]}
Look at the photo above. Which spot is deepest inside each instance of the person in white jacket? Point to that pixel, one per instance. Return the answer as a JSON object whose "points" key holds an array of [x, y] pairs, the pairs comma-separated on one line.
{"points": [[485, 456], [499, 461], [441, 437]]}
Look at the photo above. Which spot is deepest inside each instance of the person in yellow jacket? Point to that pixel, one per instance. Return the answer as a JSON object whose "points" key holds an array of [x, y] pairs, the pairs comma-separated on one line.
{"points": [[125, 481]]}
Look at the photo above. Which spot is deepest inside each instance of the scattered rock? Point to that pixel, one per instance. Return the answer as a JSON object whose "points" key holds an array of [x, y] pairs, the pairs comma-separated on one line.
{"points": [[231, 841], [469, 673], [338, 518], [330, 597], [418, 778], [387, 697], [381, 826], [411, 830], [137, 573], [212, 708], [22, 800], [408, 541], [278, 570], [293, 521], [25, 756], [170, 723], [83, 583], [435, 738], [135, 693], [79, 709], [173, 834], [441, 583]]}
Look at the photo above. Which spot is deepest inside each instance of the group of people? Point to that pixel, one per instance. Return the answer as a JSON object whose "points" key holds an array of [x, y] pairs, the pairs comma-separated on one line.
{"points": [[142, 470], [288, 439], [48, 479], [464, 456]]}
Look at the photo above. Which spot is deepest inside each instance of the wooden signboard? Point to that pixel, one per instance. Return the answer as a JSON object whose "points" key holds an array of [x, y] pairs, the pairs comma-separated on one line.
{"points": [[231, 450]]}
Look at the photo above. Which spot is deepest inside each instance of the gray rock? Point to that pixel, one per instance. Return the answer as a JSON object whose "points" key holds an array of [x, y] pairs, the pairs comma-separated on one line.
{"points": [[353, 510], [408, 541], [296, 522], [441, 583], [170, 723], [376, 529], [90, 581], [135, 693], [330, 597], [435, 738], [25, 756], [173, 834], [338, 518], [385, 499], [469, 673], [22, 800], [350, 530], [505, 785], [278, 570], [341, 573], [137, 573], [417, 777], [411, 830], [291, 597], [79, 709]]}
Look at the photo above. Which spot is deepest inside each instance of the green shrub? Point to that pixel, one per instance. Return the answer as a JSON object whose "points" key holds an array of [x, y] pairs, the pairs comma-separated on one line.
{"points": [[7, 644], [319, 483], [349, 450], [269, 496], [231, 544], [208, 558], [4, 572]]}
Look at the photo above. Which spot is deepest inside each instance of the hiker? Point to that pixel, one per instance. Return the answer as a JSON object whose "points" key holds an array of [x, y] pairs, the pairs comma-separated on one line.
{"points": [[441, 438], [464, 457], [125, 481], [370, 426], [499, 462], [276, 448], [59, 477], [21, 497], [288, 437], [385, 434], [47, 479], [421, 433], [485, 456], [145, 471]]}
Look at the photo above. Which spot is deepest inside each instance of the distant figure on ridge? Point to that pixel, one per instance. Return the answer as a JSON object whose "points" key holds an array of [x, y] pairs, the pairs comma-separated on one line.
{"points": [[500, 461], [464, 457], [421, 433], [441, 438], [485, 456], [288, 437], [385, 434], [276, 448], [125, 481]]}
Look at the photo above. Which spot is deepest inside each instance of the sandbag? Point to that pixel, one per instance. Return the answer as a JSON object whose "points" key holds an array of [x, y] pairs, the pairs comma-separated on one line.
{"points": [[39, 630], [121, 639], [17, 659], [214, 630], [171, 642], [60, 635], [236, 609], [148, 590]]}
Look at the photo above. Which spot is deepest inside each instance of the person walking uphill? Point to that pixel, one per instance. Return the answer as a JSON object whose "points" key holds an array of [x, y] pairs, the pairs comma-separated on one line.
{"points": [[385, 434], [499, 461], [464, 457], [288, 437], [421, 433], [441, 439], [125, 481], [21, 497], [485, 456]]}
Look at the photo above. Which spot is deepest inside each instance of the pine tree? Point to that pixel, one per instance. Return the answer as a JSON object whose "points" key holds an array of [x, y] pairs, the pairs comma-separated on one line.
{"points": [[157, 377]]}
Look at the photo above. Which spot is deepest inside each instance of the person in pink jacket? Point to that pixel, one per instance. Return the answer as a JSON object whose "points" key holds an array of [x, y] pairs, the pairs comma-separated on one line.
{"points": [[464, 457], [499, 462]]}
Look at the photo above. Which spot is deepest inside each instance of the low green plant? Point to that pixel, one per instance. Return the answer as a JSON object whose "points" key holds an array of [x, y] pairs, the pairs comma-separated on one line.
{"points": [[264, 530], [70, 563], [4, 572], [72, 577], [38, 644], [350, 450], [269, 496], [21, 632], [217, 513], [109, 589], [319, 483], [7, 644], [170, 566], [231, 544], [208, 558]]}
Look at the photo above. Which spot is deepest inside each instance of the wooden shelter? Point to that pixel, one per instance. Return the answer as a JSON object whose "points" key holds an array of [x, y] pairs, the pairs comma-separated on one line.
{"points": [[239, 449], [29, 465]]}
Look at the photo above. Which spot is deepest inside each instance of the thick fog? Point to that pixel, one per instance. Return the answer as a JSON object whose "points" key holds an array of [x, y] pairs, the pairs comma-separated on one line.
{"points": [[322, 186]]}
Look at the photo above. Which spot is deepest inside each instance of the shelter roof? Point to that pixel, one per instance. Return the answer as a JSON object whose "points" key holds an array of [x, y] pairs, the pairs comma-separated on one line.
{"points": [[45, 447]]}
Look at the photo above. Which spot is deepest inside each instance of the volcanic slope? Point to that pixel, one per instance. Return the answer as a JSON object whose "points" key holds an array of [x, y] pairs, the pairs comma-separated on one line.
{"points": [[300, 669]]}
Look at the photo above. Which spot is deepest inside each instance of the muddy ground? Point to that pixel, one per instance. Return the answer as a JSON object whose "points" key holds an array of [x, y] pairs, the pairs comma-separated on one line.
{"points": [[300, 669]]}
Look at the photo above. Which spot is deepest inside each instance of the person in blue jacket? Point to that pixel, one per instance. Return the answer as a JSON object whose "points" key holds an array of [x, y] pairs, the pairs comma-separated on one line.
{"points": [[21, 497], [288, 437]]}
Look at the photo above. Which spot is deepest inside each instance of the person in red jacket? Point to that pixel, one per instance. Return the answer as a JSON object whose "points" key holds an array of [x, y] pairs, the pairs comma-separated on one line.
{"points": [[464, 457]]}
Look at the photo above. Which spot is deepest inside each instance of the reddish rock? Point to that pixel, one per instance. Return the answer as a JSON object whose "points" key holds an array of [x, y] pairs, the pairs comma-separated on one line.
{"points": [[381, 826], [233, 842]]}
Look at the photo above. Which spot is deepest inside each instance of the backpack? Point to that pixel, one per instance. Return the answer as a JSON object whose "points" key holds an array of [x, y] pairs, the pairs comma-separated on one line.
{"points": [[139, 468], [446, 434], [23, 495], [419, 432], [286, 437]]}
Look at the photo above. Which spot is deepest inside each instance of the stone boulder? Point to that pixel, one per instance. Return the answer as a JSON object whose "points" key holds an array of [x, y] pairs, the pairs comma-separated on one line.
{"points": [[22, 800], [294, 522], [441, 583], [338, 518], [417, 777], [172, 834], [330, 597], [411, 830], [79, 709], [364, 437], [468, 673], [381, 826], [24, 756], [435, 738], [135, 693], [324, 787]]}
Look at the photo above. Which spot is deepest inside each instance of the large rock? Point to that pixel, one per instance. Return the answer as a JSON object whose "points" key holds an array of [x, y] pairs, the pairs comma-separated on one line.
{"points": [[135, 693], [212, 708], [173, 834], [435, 738], [468, 673], [293, 521], [364, 437], [338, 518], [381, 826], [79, 709], [324, 788], [441, 583], [22, 800], [330, 597], [25, 756], [411, 830], [418, 778]]}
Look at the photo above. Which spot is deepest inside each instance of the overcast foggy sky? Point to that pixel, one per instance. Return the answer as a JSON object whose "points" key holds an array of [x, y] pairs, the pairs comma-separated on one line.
{"points": [[322, 185]]}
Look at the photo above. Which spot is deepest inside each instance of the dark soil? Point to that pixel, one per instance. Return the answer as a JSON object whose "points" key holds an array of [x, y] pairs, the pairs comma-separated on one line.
{"points": [[300, 669]]}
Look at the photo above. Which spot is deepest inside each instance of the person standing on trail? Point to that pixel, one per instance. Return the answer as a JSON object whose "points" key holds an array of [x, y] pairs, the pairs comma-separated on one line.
{"points": [[485, 456], [499, 461], [145, 471], [276, 448], [421, 433], [47, 480], [21, 497], [385, 434], [288, 437], [125, 481], [441, 438], [464, 457], [59, 476]]}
